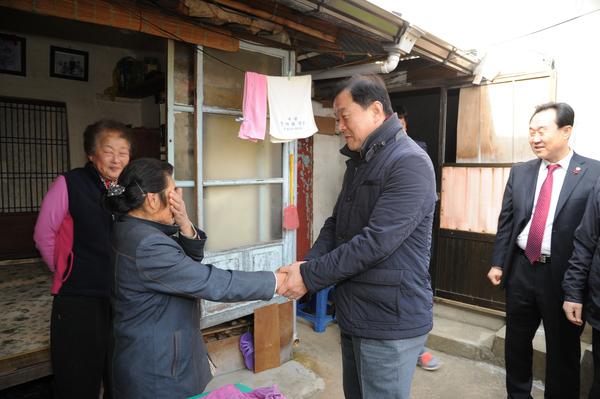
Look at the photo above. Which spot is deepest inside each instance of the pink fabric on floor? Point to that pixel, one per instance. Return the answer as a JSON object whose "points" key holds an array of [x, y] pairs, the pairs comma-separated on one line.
{"points": [[231, 392], [254, 125]]}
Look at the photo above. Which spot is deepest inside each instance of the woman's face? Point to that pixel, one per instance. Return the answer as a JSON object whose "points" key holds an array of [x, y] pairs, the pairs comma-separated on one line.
{"points": [[163, 212], [111, 154]]}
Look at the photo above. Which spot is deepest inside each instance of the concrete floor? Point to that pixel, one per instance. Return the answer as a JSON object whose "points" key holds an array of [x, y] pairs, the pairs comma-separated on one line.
{"points": [[457, 378]]}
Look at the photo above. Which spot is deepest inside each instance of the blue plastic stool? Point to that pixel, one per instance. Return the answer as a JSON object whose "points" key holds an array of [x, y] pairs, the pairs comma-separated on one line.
{"points": [[320, 318]]}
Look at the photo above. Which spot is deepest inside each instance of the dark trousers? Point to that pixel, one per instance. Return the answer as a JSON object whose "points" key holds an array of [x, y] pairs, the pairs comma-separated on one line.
{"points": [[79, 343], [595, 391], [531, 297]]}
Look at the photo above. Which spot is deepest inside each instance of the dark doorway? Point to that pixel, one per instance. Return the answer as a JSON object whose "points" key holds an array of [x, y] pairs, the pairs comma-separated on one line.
{"points": [[423, 116], [422, 109]]}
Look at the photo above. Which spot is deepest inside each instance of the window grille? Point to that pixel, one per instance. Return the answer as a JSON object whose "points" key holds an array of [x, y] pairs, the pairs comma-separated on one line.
{"points": [[34, 149]]}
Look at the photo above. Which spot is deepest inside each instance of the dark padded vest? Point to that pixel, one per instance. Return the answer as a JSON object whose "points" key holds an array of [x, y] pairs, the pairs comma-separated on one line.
{"points": [[92, 224]]}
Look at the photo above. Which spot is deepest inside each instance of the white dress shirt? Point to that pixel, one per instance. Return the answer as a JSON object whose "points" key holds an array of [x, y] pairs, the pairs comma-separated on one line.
{"points": [[557, 183]]}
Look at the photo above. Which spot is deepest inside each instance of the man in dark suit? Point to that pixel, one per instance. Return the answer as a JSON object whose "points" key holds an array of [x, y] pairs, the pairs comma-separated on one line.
{"points": [[543, 203]]}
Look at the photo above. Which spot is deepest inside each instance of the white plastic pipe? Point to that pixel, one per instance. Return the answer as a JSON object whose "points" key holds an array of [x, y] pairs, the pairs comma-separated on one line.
{"points": [[386, 66]]}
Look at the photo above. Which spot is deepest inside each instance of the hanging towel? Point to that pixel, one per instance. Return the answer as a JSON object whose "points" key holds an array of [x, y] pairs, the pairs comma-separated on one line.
{"points": [[290, 108], [254, 107]]}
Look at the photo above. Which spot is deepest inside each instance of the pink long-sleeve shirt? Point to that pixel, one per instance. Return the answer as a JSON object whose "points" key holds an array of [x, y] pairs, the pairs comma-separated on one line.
{"points": [[55, 207]]}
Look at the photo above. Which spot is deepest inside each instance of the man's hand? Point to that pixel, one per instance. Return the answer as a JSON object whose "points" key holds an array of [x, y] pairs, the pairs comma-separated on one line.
{"points": [[495, 275], [293, 286], [180, 215], [280, 277], [573, 312]]}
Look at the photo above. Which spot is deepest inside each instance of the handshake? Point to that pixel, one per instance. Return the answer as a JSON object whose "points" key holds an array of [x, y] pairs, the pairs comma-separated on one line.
{"points": [[289, 281]]}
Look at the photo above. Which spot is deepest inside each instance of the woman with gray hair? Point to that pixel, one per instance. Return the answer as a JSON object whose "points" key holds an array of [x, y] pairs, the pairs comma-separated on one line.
{"points": [[72, 234]]}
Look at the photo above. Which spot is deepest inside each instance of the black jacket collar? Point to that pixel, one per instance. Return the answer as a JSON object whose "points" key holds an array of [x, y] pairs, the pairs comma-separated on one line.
{"points": [[168, 229], [386, 132]]}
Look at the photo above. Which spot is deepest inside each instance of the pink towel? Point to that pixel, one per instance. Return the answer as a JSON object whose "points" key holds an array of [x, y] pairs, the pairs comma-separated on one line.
{"points": [[254, 108]]}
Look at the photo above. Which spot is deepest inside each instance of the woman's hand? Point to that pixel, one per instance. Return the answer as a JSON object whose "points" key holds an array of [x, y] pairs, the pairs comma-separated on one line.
{"points": [[180, 215]]}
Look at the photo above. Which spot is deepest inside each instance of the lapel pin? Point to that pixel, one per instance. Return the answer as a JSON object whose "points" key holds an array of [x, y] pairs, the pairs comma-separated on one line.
{"points": [[576, 170]]}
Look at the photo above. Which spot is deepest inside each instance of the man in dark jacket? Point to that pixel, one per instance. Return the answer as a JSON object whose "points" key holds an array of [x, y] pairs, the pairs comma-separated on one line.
{"points": [[376, 246], [582, 279]]}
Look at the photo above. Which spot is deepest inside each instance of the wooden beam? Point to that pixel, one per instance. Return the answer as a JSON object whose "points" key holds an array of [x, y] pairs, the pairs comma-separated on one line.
{"points": [[128, 15], [325, 125], [243, 34], [220, 16], [270, 16], [23, 367], [277, 8]]}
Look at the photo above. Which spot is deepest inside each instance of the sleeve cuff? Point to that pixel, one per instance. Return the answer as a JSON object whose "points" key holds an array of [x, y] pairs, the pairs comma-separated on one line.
{"points": [[194, 237], [574, 299], [304, 272], [275, 289]]}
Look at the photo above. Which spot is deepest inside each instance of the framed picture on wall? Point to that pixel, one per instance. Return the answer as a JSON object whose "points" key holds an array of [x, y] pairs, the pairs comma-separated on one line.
{"points": [[12, 54], [67, 63]]}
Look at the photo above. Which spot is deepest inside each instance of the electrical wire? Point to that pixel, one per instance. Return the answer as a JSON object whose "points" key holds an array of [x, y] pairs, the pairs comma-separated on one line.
{"points": [[451, 58], [546, 28]]}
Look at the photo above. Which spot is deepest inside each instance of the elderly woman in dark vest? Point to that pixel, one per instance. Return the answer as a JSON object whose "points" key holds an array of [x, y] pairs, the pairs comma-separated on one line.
{"points": [[72, 234], [159, 351]]}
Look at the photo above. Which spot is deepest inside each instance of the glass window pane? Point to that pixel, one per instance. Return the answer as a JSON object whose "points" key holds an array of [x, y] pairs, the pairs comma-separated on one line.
{"points": [[467, 136], [189, 197], [184, 73], [236, 216], [496, 129], [185, 144], [528, 94], [224, 85], [228, 157]]}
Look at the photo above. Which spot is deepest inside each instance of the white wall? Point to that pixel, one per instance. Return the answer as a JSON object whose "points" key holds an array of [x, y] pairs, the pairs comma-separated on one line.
{"points": [[328, 171], [85, 102]]}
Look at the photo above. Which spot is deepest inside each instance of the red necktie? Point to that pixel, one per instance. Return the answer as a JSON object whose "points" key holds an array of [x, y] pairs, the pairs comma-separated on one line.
{"points": [[533, 250]]}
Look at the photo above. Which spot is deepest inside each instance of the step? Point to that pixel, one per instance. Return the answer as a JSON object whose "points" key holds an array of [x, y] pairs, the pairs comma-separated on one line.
{"points": [[462, 339], [473, 315]]}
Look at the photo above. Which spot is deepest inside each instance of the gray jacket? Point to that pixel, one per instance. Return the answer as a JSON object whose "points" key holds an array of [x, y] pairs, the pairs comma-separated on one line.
{"points": [[159, 351]]}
